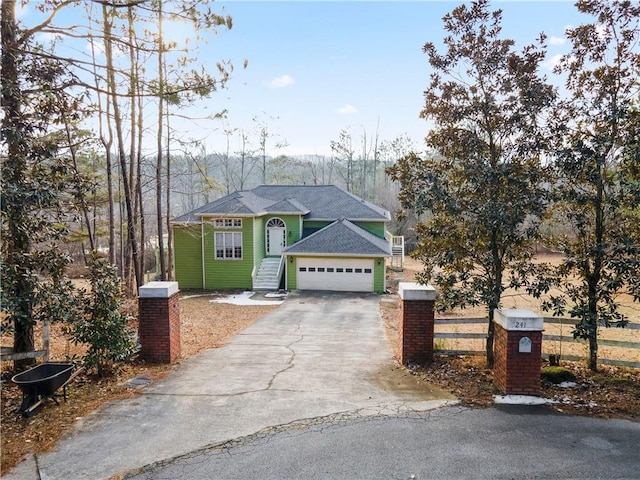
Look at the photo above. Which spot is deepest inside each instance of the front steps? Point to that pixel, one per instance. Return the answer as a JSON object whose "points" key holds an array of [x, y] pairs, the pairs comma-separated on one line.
{"points": [[267, 277]]}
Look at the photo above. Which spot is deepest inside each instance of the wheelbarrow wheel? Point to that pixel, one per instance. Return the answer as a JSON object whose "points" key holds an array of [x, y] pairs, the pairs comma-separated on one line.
{"points": [[29, 405]]}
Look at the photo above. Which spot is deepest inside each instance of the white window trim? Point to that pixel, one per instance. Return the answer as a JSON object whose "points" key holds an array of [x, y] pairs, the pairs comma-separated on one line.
{"points": [[226, 235], [276, 220], [227, 223]]}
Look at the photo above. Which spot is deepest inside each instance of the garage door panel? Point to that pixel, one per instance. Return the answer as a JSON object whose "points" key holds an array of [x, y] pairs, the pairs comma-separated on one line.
{"points": [[348, 275]]}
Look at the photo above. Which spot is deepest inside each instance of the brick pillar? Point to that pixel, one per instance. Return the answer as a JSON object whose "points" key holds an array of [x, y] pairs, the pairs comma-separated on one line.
{"points": [[517, 351], [159, 322], [416, 323]]}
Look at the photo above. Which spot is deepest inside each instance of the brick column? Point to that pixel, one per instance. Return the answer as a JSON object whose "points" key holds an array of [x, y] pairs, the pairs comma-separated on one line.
{"points": [[517, 351], [159, 322], [416, 323]]}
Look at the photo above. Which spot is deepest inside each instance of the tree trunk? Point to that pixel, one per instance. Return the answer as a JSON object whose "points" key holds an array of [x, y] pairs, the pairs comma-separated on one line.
{"points": [[376, 159], [112, 213], [135, 74], [169, 260], [227, 161], [494, 303], [593, 351], [132, 241], [490, 336], [107, 143], [143, 228], [159, 160]]}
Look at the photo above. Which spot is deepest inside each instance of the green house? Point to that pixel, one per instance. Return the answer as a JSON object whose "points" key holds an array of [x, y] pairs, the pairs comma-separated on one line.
{"points": [[300, 237]]}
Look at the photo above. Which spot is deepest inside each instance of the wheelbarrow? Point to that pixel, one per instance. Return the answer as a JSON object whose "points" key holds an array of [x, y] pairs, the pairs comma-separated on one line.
{"points": [[41, 382]]}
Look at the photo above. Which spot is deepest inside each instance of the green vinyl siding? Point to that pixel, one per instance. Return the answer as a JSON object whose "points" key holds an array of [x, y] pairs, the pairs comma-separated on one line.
{"points": [[379, 275], [292, 273], [188, 256], [309, 228], [316, 225], [377, 228], [228, 273], [258, 240]]}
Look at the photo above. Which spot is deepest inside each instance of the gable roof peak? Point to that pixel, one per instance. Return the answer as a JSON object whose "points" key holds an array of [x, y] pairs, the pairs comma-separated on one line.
{"points": [[341, 237]]}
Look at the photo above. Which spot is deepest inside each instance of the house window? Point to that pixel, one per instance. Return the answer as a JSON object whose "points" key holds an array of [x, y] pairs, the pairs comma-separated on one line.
{"points": [[276, 223], [228, 245], [367, 270], [227, 223], [330, 270]]}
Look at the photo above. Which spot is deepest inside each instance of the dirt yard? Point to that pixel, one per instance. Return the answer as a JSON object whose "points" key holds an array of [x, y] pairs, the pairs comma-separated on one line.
{"points": [[514, 299], [610, 392]]}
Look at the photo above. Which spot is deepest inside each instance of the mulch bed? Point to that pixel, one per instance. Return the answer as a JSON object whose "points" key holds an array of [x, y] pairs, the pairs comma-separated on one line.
{"points": [[610, 392]]}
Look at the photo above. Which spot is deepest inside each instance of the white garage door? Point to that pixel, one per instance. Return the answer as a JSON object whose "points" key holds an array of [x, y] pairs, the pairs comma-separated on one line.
{"points": [[346, 275]]}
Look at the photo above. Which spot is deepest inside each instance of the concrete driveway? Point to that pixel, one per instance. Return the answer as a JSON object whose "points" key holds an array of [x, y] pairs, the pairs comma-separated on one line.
{"points": [[317, 355]]}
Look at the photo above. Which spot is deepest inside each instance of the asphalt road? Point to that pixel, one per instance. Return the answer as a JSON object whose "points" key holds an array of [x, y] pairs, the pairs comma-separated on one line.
{"points": [[510, 442]]}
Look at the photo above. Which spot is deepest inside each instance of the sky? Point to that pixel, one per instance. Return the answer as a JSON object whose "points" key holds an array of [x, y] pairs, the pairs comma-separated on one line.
{"points": [[318, 67], [315, 68]]}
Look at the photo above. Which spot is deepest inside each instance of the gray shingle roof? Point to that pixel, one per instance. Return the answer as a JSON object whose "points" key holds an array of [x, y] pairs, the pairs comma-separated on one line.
{"points": [[315, 202], [325, 202], [288, 205], [341, 238]]}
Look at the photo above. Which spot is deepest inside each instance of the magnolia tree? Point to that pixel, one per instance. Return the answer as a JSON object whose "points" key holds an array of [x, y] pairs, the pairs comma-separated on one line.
{"points": [[39, 183], [597, 157], [484, 184]]}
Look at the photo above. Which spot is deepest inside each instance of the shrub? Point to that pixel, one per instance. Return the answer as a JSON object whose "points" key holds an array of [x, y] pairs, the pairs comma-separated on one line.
{"points": [[103, 325], [554, 374]]}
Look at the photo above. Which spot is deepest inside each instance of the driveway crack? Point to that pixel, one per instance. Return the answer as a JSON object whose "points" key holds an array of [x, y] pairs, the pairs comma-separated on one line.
{"points": [[291, 362]]}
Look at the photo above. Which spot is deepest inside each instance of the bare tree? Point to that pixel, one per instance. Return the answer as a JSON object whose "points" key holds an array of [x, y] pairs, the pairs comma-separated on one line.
{"points": [[265, 135], [345, 156], [112, 88], [247, 160]]}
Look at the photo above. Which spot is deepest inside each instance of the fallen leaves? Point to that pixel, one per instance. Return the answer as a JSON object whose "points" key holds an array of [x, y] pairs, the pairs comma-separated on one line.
{"points": [[610, 392]]}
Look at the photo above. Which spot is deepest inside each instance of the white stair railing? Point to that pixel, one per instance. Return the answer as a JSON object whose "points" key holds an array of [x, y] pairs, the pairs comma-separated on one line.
{"points": [[397, 252]]}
